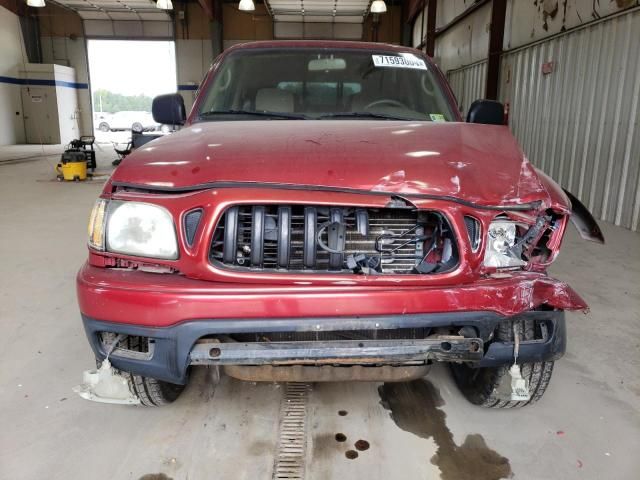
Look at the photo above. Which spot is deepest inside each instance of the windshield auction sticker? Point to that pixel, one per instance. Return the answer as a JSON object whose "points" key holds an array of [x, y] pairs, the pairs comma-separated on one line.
{"points": [[405, 61]]}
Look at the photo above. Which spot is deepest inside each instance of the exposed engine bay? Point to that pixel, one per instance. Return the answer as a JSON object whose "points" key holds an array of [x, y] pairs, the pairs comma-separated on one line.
{"points": [[336, 239]]}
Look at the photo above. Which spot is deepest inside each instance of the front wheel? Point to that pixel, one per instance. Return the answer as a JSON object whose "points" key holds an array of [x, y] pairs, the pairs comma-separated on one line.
{"points": [[151, 392], [481, 385], [103, 127]]}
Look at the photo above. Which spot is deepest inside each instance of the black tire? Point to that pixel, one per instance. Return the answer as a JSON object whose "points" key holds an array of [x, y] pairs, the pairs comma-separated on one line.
{"points": [[150, 391], [479, 385], [103, 127], [137, 127]]}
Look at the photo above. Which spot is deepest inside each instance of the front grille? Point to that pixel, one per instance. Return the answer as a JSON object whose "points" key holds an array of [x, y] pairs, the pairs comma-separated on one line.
{"points": [[303, 238]]}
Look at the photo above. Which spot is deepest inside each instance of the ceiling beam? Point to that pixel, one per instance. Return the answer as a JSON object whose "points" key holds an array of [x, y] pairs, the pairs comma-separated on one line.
{"points": [[19, 7]]}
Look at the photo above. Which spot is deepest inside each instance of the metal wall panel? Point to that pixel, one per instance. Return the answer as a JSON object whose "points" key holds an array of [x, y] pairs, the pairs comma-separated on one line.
{"points": [[323, 30], [468, 84], [579, 123], [129, 29]]}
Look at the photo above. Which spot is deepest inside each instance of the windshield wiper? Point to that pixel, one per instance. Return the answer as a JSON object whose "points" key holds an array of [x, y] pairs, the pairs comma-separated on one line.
{"points": [[383, 116], [281, 115]]}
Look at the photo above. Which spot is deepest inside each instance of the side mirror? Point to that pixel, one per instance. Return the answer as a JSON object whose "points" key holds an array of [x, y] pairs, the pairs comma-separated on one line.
{"points": [[486, 111], [169, 109]]}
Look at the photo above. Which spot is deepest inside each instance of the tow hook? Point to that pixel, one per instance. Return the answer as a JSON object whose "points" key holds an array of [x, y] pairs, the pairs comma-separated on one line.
{"points": [[514, 387], [519, 385], [105, 384]]}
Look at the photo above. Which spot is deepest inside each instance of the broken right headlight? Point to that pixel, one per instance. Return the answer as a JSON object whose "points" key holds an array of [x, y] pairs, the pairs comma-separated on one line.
{"points": [[500, 247]]}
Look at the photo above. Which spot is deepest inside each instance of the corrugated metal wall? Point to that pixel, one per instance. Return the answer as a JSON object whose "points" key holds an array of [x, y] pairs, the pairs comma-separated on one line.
{"points": [[580, 122], [468, 83]]}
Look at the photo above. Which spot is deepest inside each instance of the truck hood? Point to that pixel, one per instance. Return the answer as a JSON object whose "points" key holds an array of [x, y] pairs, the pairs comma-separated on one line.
{"points": [[482, 164]]}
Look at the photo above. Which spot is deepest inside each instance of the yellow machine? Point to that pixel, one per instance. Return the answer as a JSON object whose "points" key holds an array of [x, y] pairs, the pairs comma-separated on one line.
{"points": [[72, 167]]}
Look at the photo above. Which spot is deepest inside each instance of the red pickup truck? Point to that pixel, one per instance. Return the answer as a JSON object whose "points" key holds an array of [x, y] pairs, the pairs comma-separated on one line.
{"points": [[325, 214]]}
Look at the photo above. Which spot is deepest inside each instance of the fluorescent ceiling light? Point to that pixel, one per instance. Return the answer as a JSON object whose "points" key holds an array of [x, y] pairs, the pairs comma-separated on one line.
{"points": [[246, 5], [165, 4], [378, 6], [35, 3]]}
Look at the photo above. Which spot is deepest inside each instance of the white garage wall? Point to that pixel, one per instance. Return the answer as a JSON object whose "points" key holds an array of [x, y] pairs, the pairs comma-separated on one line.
{"points": [[536, 20], [320, 30], [465, 43], [72, 52], [580, 122], [11, 57], [468, 83], [129, 29], [193, 59], [419, 29]]}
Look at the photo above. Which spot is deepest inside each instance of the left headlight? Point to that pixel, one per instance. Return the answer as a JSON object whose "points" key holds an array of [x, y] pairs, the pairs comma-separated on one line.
{"points": [[501, 239], [96, 224], [133, 228]]}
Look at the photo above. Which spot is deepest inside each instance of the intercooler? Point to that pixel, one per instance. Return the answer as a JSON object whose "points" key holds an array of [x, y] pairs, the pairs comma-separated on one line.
{"points": [[316, 239]]}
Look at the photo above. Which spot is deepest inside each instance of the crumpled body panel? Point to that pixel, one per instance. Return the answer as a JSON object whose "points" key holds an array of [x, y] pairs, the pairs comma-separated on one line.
{"points": [[162, 300], [480, 164]]}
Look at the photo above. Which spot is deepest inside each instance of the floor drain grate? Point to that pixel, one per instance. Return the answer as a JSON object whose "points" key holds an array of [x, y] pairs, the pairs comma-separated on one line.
{"points": [[292, 443]]}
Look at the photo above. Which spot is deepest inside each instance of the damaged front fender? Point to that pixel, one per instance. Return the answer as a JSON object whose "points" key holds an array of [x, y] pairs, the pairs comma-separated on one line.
{"points": [[583, 220], [547, 291]]}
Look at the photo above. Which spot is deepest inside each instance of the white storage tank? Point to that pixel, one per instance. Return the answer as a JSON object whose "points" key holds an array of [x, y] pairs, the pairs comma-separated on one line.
{"points": [[49, 103]]}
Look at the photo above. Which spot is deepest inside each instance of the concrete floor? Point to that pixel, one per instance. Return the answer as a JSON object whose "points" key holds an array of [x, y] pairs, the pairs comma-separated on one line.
{"points": [[586, 427]]}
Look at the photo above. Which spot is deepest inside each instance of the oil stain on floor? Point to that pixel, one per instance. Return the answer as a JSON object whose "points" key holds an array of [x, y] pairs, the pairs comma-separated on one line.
{"points": [[414, 407]]}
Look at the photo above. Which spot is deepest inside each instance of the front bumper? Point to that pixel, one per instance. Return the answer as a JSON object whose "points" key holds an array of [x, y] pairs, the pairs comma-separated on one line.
{"points": [[176, 312], [164, 300], [177, 347]]}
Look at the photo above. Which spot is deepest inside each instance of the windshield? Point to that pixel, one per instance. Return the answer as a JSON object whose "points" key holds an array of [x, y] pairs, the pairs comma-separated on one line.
{"points": [[315, 84]]}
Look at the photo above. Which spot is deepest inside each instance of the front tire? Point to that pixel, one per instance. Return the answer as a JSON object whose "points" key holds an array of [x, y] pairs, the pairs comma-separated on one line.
{"points": [[480, 385], [151, 392], [103, 127]]}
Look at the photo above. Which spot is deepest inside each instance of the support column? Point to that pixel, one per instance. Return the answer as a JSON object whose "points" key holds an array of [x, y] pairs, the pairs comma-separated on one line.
{"points": [[216, 28], [430, 41], [496, 38]]}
